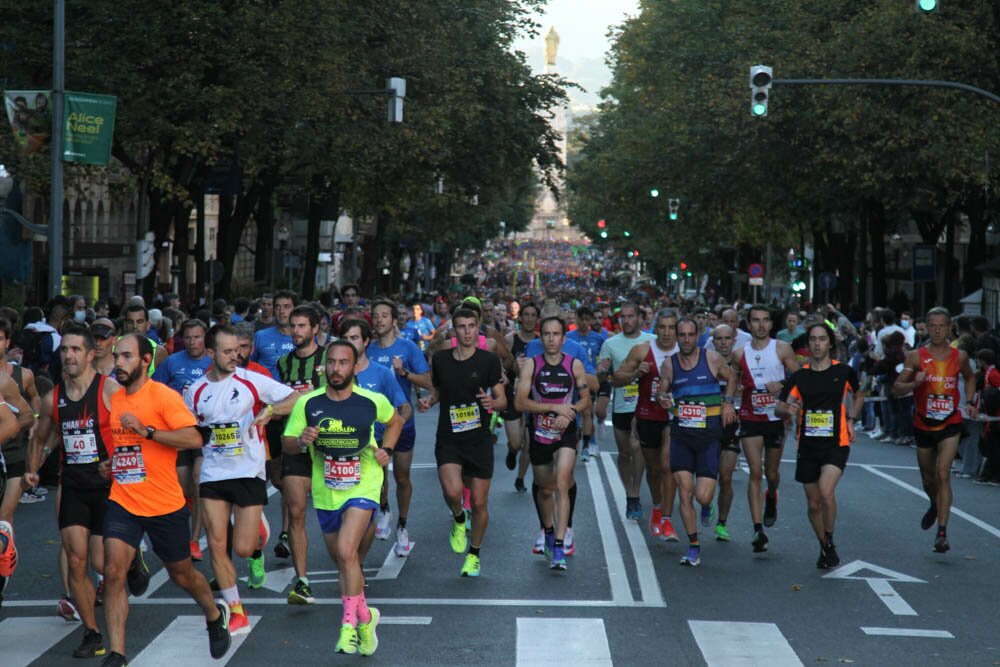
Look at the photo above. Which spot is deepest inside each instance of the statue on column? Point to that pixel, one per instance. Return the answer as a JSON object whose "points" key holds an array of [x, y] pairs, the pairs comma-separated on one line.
{"points": [[551, 46]]}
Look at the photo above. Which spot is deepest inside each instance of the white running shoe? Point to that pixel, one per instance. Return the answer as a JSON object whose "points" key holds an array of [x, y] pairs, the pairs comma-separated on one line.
{"points": [[539, 547], [569, 548], [403, 544], [382, 525]]}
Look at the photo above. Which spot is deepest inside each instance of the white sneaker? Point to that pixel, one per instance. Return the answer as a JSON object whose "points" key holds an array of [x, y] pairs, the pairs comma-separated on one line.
{"points": [[585, 453], [568, 547], [403, 544], [539, 547], [594, 449], [41, 490], [877, 434], [382, 529]]}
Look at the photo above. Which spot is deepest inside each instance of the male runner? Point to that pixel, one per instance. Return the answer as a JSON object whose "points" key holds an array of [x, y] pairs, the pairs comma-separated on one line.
{"points": [[137, 321], [547, 385], [265, 319], [232, 405], [815, 398], [409, 365], [467, 384], [76, 415], [643, 364], [723, 338], [763, 365], [690, 385], [932, 374], [613, 354], [149, 423], [591, 340], [272, 343], [105, 335], [517, 342], [9, 428], [333, 426], [730, 317]]}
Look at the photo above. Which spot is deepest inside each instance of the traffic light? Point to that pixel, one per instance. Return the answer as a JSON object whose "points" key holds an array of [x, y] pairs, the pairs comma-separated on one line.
{"points": [[673, 275], [675, 206], [654, 193], [604, 233], [684, 266], [627, 233], [760, 87], [601, 224], [689, 274], [801, 263], [927, 6]]}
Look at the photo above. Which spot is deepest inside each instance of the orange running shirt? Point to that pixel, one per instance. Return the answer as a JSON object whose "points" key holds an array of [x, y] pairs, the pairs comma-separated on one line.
{"points": [[144, 473], [936, 398]]}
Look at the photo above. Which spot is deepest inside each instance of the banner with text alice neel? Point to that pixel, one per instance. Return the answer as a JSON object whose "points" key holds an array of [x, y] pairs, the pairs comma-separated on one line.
{"points": [[89, 122]]}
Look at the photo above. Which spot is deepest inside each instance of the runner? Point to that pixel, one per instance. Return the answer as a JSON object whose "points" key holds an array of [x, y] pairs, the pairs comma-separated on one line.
{"points": [[410, 368], [232, 405], [137, 321], [333, 426], [513, 424], [149, 423], [75, 414], [815, 398], [590, 340], [303, 371], [245, 334], [690, 385], [547, 385], [763, 365], [932, 374], [9, 428], [723, 338], [105, 335], [272, 343], [613, 353], [643, 365], [467, 384]]}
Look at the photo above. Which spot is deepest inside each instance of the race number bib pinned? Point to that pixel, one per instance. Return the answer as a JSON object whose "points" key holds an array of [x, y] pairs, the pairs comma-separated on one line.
{"points": [[226, 440], [341, 472], [762, 402], [630, 393], [692, 415], [127, 465], [819, 424], [940, 407], [464, 418], [545, 428], [81, 447]]}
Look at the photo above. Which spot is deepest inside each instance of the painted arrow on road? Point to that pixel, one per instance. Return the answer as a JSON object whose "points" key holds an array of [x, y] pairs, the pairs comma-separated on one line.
{"points": [[881, 583]]}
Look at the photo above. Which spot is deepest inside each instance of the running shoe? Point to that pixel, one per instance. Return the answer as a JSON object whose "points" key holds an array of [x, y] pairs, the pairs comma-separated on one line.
{"points": [[707, 514], [8, 559], [219, 639], [459, 539], [550, 544], [258, 575], [281, 549], [832, 557], [821, 562], [655, 519], [383, 527], [692, 558], [471, 566], [114, 660], [348, 642], [539, 548], [403, 544], [594, 449], [511, 460], [721, 532], [41, 490], [929, 517], [67, 609], [770, 508], [941, 544], [759, 542], [367, 639], [519, 485], [667, 532], [31, 496], [585, 454], [633, 510], [239, 622], [558, 559], [196, 553], [301, 594], [569, 546], [92, 645], [138, 575]]}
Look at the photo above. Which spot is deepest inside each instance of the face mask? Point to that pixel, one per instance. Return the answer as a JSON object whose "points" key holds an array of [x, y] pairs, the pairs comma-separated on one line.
{"points": [[905, 324], [80, 316]]}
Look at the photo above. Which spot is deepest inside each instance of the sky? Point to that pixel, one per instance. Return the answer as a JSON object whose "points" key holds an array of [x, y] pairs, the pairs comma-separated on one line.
{"points": [[583, 43]]}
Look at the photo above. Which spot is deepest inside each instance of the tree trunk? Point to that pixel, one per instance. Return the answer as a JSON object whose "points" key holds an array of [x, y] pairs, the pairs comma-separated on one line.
{"points": [[263, 265], [949, 296], [371, 249], [232, 222], [875, 215]]}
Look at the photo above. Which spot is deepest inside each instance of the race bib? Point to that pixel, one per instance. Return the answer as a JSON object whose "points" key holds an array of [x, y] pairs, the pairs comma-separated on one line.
{"points": [[762, 402], [692, 415], [81, 447], [127, 465], [940, 407], [630, 393], [301, 386], [464, 418], [341, 472], [545, 428], [819, 424], [226, 440], [654, 388]]}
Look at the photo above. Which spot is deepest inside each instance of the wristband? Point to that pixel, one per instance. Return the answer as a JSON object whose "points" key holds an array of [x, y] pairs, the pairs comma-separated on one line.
{"points": [[728, 399], [270, 409]]}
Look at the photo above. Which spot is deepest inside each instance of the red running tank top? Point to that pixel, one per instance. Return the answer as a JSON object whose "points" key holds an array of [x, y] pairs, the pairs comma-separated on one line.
{"points": [[937, 397]]}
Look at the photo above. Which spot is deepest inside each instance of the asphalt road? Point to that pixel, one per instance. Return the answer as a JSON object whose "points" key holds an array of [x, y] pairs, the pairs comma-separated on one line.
{"points": [[624, 600]]}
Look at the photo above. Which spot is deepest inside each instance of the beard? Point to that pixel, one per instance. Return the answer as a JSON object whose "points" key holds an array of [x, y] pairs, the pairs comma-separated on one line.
{"points": [[343, 384], [127, 379]]}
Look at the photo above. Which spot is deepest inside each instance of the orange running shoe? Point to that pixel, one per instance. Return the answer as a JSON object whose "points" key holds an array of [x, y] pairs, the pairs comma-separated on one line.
{"points": [[239, 622], [655, 519], [8, 557], [667, 532]]}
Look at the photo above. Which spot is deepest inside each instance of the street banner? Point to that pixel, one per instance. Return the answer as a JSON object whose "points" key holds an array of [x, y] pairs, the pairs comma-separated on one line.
{"points": [[89, 122], [30, 118]]}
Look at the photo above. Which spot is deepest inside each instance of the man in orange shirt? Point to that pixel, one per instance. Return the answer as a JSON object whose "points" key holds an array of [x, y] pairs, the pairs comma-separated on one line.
{"points": [[149, 423]]}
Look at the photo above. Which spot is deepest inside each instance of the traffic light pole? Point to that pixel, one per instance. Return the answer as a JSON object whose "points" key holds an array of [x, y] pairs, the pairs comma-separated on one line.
{"points": [[888, 82]]}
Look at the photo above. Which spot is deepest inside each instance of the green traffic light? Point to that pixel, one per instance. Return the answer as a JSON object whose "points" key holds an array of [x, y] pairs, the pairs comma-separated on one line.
{"points": [[927, 5], [604, 235], [673, 215], [654, 193], [673, 275], [759, 109], [689, 274], [627, 233]]}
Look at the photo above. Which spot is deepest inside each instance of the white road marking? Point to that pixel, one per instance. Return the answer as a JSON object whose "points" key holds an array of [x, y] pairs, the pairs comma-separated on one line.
{"points": [[621, 593], [24, 639], [184, 643], [393, 564], [879, 584], [908, 632], [378, 602], [574, 641], [730, 644], [649, 583], [405, 620], [992, 530], [893, 600]]}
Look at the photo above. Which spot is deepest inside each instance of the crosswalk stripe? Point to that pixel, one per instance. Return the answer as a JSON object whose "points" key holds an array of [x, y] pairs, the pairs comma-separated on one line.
{"points": [[573, 641], [731, 644], [22, 640], [184, 643]]}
